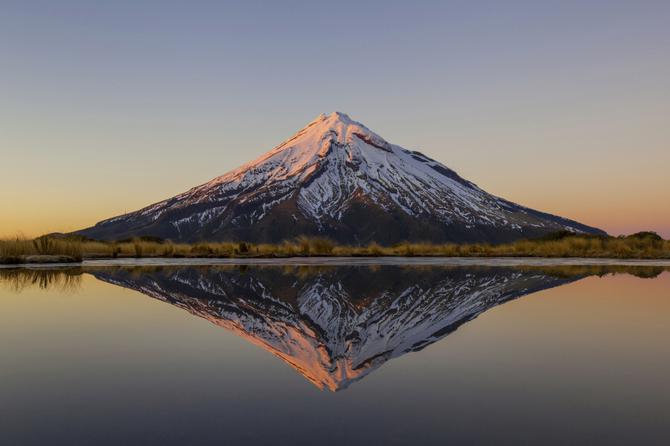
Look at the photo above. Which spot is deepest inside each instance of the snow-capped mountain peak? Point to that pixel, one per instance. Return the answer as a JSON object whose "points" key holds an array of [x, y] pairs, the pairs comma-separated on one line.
{"points": [[335, 177], [306, 148]]}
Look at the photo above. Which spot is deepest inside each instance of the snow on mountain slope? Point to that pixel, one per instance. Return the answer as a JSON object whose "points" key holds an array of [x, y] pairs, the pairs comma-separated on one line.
{"points": [[324, 180]]}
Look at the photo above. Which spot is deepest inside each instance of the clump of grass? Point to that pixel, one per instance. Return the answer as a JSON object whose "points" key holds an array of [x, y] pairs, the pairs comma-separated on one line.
{"points": [[315, 245], [17, 249], [14, 248], [138, 247], [374, 249], [202, 249]]}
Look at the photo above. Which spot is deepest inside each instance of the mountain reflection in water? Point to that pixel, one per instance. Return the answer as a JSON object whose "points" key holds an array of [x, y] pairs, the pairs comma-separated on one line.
{"points": [[334, 325]]}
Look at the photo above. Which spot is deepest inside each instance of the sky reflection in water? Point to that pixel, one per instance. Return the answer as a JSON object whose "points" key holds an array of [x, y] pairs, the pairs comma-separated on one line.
{"points": [[397, 351]]}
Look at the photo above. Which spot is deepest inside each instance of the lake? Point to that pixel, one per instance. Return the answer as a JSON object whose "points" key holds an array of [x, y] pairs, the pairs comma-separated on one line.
{"points": [[349, 352]]}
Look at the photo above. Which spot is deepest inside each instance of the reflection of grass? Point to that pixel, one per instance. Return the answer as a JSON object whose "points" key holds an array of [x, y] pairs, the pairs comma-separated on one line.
{"points": [[637, 246], [69, 279], [16, 280]]}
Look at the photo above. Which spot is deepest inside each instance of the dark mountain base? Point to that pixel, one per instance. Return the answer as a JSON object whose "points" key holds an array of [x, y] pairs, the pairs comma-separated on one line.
{"points": [[361, 224]]}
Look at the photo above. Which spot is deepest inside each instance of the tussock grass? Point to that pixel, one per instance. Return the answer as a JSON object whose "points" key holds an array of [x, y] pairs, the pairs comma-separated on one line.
{"points": [[17, 249], [645, 245]]}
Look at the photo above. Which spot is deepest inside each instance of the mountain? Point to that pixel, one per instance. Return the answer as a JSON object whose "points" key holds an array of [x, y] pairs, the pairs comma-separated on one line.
{"points": [[336, 178], [335, 326]]}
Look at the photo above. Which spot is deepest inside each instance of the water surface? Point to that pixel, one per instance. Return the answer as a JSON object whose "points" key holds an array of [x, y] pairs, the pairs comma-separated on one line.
{"points": [[325, 354]]}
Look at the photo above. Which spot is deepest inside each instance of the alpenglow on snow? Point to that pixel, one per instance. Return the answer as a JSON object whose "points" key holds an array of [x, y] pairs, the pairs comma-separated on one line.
{"points": [[336, 178]]}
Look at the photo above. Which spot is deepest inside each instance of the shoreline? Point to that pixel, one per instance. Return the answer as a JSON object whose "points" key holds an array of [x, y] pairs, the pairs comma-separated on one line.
{"points": [[348, 261], [51, 249]]}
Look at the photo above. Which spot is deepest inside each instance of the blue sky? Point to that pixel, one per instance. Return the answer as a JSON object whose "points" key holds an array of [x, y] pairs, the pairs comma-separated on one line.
{"points": [[108, 106]]}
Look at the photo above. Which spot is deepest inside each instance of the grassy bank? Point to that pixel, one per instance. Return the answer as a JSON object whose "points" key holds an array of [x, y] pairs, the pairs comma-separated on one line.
{"points": [[43, 249], [637, 246]]}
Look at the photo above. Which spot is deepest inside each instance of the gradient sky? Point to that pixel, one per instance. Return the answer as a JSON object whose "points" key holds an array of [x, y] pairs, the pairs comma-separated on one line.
{"points": [[105, 107]]}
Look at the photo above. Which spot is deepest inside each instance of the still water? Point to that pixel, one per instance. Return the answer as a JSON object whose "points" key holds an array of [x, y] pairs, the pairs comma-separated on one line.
{"points": [[392, 354]]}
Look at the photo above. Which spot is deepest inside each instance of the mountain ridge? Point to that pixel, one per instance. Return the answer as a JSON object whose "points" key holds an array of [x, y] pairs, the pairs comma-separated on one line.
{"points": [[337, 178]]}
